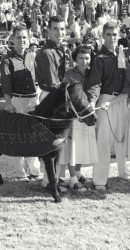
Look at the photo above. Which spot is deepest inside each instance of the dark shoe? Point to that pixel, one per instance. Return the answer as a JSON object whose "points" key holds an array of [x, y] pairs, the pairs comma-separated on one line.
{"points": [[36, 177], [47, 187], [60, 181], [31, 178], [82, 179], [1, 180], [76, 186]]}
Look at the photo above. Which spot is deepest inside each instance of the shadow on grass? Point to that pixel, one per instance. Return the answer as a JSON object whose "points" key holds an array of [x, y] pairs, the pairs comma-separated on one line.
{"points": [[33, 192], [28, 192], [115, 185]]}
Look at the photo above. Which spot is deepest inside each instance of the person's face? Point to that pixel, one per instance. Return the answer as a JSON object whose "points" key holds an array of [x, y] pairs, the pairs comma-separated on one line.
{"points": [[57, 32], [73, 47], [83, 61], [111, 37], [122, 34], [33, 48], [21, 40]]}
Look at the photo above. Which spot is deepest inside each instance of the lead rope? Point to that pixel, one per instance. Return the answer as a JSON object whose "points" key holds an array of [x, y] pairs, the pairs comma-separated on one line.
{"points": [[119, 141], [80, 118]]}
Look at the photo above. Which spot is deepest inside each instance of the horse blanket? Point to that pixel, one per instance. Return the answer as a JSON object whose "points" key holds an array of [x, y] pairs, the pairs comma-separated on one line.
{"points": [[25, 135]]}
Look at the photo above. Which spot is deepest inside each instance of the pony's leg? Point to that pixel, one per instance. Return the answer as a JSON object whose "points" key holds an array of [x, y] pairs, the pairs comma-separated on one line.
{"points": [[49, 165]]}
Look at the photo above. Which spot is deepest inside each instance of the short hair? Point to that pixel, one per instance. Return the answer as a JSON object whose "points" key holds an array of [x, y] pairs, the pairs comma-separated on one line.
{"points": [[56, 19], [19, 28], [110, 25], [81, 49]]}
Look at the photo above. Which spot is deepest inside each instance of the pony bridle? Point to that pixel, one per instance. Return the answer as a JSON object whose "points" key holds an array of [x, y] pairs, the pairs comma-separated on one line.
{"points": [[70, 105]]}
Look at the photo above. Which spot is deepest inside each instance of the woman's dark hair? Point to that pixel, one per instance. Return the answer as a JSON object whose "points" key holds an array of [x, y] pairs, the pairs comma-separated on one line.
{"points": [[81, 49]]}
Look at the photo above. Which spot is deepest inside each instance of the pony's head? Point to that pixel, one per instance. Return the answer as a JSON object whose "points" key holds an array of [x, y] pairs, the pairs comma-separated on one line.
{"points": [[80, 105], [67, 102]]}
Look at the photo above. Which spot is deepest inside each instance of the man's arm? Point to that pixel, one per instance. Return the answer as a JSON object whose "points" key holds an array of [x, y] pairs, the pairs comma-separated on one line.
{"points": [[46, 72], [94, 84], [6, 84]]}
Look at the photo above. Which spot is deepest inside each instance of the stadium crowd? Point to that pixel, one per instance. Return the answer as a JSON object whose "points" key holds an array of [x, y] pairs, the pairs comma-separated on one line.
{"points": [[68, 41]]}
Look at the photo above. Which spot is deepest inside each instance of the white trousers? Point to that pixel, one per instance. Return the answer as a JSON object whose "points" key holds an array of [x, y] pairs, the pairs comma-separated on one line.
{"points": [[106, 140], [25, 165]]}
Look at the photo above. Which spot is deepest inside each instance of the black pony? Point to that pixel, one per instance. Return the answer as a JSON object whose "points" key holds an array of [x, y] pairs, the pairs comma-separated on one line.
{"points": [[64, 103], [42, 132]]}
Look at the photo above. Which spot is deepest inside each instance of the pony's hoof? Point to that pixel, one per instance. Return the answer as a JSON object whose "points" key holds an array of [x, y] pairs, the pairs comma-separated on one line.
{"points": [[58, 199]]}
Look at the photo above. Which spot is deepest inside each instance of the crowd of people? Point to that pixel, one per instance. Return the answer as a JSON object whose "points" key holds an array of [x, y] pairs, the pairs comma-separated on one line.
{"points": [[56, 42]]}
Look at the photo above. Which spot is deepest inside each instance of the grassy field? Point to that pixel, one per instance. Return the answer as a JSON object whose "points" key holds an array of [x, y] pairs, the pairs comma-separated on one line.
{"points": [[89, 220]]}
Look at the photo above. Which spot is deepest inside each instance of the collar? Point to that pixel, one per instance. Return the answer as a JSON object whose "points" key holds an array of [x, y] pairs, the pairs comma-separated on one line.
{"points": [[76, 69], [53, 45], [106, 51], [15, 53]]}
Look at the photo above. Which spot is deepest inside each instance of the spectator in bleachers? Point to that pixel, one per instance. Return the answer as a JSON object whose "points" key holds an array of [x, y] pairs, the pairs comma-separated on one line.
{"points": [[90, 11], [126, 21], [77, 5], [123, 40], [36, 16], [9, 14], [84, 27], [2, 20], [65, 10], [51, 7], [75, 30]]}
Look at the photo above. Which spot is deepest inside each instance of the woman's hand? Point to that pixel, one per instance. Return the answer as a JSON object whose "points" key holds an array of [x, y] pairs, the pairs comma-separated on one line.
{"points": [[105, 105], [92, 104]]}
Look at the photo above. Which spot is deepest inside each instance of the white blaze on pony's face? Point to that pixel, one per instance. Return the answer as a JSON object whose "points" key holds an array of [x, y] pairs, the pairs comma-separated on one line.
{"points": [[21, 41], [57, 32], [83, 61]]}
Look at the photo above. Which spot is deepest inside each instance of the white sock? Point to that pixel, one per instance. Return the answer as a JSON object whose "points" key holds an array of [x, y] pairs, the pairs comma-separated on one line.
{"points": [[72, 181], [78, 174]]}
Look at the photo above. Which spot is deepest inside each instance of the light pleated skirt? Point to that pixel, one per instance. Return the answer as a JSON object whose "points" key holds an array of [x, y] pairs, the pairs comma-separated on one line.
{"points": [[80, 146]]}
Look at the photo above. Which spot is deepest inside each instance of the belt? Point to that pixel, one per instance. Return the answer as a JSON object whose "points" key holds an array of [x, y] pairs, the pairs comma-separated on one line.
{"points": [[25, 96], [113, 93]]}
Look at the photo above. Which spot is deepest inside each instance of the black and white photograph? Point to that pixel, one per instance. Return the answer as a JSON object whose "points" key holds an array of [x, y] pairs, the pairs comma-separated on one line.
{"points": [[65, 124]]}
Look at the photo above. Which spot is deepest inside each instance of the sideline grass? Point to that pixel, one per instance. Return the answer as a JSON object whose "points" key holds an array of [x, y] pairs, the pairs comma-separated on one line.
{"points": [[29, 219]]}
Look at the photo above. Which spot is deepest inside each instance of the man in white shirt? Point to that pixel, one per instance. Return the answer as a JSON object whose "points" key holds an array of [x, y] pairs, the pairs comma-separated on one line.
{"points": [[126, 20]]}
